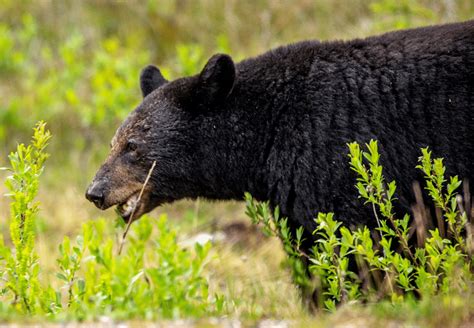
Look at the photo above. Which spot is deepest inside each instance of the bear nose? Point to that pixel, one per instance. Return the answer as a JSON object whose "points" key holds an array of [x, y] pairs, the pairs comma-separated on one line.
{"points": [[95, 195]]}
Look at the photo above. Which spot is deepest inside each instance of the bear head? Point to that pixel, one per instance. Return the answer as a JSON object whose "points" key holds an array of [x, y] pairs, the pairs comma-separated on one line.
{"points": [[164, 129]]}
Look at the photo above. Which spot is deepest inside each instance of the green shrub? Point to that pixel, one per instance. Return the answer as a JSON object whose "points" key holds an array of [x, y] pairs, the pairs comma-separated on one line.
{"points": [[390, 265], [153, 278], [19, 265]]}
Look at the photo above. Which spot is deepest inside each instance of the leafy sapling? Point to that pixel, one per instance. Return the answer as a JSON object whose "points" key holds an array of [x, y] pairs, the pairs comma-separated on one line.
{"points": [[443, 193], [20, 264], [379, 194]]}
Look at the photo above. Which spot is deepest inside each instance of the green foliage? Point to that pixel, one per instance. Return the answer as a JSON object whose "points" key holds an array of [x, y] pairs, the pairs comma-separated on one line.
{"points": [[114, 75], [400, 14], [190, 59], [88, 89], [20, 264], [154, 278], [389, 264], [444, 195], [273, 225], [371, 187], [96, 88], [330, 262]]}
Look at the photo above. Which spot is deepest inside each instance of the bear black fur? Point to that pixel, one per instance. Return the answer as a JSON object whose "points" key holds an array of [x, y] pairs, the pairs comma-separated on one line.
{"points": [[278, 125]]}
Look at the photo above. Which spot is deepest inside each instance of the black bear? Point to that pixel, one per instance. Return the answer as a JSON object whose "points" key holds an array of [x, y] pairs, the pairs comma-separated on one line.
{"points": [[278, 125]]}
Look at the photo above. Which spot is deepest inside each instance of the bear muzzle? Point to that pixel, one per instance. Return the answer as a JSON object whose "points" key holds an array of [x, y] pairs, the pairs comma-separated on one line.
{"points": [[95, 194]]}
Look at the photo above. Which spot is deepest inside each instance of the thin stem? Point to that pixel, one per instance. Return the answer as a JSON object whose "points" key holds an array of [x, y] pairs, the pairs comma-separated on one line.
{"points": [[377, 219], [124, 236]]}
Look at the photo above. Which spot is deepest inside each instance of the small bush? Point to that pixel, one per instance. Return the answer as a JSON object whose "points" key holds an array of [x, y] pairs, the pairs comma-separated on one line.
{"points": [[19, 266], [389, 263], [153, 278]]}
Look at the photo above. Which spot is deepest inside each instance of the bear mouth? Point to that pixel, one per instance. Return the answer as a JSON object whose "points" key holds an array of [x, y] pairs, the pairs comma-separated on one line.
{"points": [[134, 206], [131, 206]]}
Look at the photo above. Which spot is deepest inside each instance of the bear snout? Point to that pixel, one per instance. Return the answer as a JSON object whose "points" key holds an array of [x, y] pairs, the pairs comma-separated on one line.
{"points": [[95, 194]]}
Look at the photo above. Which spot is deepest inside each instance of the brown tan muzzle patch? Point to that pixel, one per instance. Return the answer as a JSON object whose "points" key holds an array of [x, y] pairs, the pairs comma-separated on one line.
{"points": [[134, 207], [114, 185]]}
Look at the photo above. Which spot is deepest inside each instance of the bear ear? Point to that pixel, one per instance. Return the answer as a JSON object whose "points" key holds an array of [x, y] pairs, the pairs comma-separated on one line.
{"points": [[151, 79], [216, 79]]}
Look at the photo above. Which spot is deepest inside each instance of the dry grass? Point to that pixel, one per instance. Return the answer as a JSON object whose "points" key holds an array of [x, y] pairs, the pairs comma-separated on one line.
{"points": [[256, 281]]}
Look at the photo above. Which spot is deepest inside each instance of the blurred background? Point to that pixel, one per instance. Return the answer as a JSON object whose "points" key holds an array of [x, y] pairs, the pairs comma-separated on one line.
{"points": [[75, 64]]}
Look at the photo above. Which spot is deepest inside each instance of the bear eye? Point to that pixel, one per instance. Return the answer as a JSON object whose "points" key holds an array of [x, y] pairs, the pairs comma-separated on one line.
{"points": [[132, 145]]}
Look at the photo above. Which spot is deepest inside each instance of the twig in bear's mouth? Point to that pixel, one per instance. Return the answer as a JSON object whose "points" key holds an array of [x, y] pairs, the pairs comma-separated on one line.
{"points": [[130, 220]]}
